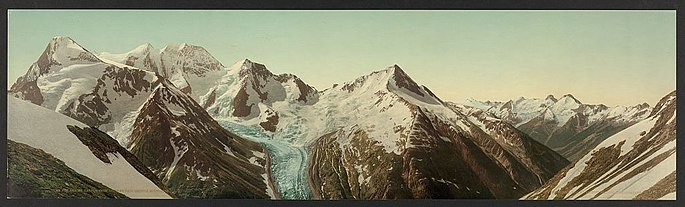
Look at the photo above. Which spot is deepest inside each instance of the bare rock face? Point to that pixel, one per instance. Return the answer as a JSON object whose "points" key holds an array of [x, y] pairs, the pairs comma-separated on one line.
{"points": [[93, 109], [334, 176], [192, 154], [643, 153], [240, 106], [27, 90], [211, 98], [271, 121], [444, 164], [402, 80]]}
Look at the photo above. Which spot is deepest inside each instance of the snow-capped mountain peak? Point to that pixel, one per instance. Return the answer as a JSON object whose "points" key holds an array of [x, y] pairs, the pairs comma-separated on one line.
{"points": [[240, 65], [568, 98], [387, 114], [184, 48], [551, 98], [140, 57], [166, 94], [482, 105], [249, 90], [189, 67], [248, 68], [391, 79], [642, 106], [63, 51], [402, 80], [402, 84], [142, 49], [564, 107], [66, 42]]}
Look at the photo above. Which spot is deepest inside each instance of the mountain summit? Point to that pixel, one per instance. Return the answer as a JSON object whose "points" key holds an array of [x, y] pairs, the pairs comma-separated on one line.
{"points": [[388, 134], [392, 79], [61, 52], [250, 92], [70, 80]]}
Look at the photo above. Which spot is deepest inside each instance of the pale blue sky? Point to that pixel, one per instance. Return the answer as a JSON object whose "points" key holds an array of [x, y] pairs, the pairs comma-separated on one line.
{"points": [[611, 57]]}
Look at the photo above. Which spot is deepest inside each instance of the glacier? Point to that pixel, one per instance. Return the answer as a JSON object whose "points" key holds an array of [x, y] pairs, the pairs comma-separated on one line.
{"points": [[288, 160]]}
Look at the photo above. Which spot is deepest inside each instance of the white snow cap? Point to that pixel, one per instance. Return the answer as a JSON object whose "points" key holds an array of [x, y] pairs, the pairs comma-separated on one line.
{"points": [[569, 97]]}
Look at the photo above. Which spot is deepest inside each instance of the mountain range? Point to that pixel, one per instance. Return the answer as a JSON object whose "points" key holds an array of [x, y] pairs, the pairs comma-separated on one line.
{"points": [[112, 97], [636, 163], [566, 125], [197, 129]]}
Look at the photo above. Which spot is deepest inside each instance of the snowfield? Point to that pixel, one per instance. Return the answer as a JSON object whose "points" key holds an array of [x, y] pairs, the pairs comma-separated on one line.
{"points": [[46, 130]]}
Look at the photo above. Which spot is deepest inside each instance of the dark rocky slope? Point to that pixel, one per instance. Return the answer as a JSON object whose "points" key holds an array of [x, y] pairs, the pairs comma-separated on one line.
{"points": [[192, 154], [32, 173]]}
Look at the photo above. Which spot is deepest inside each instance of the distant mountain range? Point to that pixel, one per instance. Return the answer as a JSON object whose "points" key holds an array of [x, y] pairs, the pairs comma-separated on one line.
{"points": [[636, 163], [197, 129], [566, 125]]}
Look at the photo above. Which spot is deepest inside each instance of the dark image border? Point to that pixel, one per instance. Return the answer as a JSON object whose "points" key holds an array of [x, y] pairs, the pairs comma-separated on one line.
{"points": [[343, 5]]}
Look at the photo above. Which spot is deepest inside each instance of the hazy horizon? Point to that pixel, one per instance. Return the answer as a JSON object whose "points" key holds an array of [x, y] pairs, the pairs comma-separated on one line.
{"points": [[609, 57]]}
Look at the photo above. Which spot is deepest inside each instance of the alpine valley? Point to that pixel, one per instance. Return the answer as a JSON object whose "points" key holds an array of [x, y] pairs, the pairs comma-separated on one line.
{"points": [[177, 123]]}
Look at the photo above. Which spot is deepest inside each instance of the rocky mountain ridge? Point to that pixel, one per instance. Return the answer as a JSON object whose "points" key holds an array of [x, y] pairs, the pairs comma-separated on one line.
{"points": [[192, 154]]}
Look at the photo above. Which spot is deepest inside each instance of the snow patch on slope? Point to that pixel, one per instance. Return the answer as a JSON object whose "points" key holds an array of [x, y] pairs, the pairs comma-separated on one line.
{"points": [[53, 137]]}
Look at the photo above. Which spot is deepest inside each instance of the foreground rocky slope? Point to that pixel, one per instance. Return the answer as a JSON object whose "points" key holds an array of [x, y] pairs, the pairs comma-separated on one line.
{"points": [[566, 125], [192, 154], [32, 173], [84, 150], [636, 163]]}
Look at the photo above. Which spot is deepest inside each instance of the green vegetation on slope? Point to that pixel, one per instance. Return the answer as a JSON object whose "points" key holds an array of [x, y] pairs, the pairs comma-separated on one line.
{"points": [[33, 173]]}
